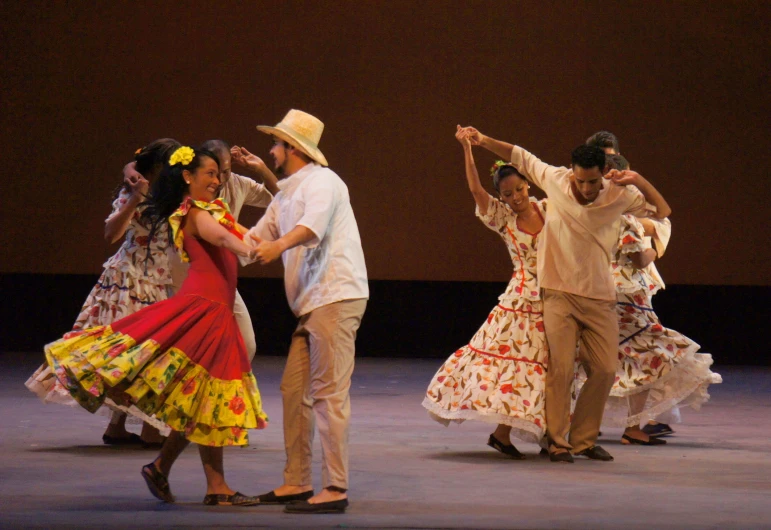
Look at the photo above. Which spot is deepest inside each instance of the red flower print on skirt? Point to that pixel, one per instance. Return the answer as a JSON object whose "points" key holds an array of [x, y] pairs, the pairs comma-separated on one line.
{"points": [[237, 405], [189, 387], [506, 389]]}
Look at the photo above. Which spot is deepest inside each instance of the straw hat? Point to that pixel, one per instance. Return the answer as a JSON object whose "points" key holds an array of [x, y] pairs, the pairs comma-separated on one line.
{"points": [[301, 130]]}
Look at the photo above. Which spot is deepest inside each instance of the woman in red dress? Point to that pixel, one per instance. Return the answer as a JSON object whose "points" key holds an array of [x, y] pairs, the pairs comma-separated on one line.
{"points": [[182, 359]]}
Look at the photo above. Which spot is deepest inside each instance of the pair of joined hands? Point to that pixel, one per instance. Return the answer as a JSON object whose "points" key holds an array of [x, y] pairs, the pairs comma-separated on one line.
{"points": [[265, 251]]}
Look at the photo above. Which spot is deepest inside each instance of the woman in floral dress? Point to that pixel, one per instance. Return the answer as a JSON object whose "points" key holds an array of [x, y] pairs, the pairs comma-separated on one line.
{"points": [[137, 275], [500, 376], [658, 368], [182, 359]]}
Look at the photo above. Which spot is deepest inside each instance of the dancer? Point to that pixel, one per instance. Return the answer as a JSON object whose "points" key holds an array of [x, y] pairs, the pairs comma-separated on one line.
{"points": [[311, 225], [500, 376], [181, 359], [661, 230], [137, 275], [658, 368], [237, 191], [577, 289]]}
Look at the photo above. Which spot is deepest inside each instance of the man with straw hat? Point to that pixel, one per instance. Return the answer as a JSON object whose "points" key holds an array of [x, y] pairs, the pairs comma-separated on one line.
{"points": [[311, 225]]}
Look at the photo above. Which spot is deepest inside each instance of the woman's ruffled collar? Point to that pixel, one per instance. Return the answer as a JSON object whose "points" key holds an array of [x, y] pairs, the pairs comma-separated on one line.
{"points": [[218, 208]]}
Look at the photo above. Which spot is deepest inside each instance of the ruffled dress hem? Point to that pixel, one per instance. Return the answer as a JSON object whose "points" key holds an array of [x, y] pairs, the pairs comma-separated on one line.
{"points": [[522, 429], [167, 384]]}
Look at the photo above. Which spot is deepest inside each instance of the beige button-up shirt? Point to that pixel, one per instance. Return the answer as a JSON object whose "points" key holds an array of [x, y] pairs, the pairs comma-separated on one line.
{"points": [[577, 240], [329, 268], [240, 190]]}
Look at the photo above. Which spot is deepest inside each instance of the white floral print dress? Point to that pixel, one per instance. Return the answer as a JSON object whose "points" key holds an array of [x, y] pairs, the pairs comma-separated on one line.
{"points": [[650, 357], [137, 275], [500, 376]]}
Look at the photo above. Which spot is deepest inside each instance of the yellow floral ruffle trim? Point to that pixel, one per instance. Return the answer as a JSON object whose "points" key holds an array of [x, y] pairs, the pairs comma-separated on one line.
{"points": [[96, 362], [219, 210], [208, 410]]}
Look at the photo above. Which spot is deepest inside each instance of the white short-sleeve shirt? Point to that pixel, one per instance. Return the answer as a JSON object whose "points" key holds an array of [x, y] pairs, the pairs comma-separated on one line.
{"points": [[330, 267]]}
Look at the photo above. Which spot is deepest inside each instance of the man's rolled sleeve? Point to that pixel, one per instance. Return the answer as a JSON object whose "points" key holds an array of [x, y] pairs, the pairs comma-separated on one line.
{"points": [[320, 199]]}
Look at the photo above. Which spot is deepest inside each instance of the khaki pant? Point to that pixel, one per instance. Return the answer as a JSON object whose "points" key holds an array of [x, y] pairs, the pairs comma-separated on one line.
{"points": [[569, 320], [315, 388]]}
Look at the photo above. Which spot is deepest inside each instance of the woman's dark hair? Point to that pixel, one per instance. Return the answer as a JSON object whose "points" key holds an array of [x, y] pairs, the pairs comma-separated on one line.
{"points": [[167, 191], [503, 172], [148, 157]]}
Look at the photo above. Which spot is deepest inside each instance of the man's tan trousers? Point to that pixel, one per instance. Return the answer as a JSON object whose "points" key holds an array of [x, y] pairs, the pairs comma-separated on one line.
{"points": [[569, 320], [315, 388]]}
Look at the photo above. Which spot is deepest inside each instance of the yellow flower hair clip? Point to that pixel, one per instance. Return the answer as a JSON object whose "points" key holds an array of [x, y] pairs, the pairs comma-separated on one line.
{"points": [[183, 155]]}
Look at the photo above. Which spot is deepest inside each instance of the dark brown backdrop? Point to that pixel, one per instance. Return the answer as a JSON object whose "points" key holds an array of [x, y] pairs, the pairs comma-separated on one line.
{"points": [[683, 84]]}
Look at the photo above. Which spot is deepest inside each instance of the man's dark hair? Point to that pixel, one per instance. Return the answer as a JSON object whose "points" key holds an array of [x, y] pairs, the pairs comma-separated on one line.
{"points": [[604, 139], [588, 157], [216, 146], [616, 162]]}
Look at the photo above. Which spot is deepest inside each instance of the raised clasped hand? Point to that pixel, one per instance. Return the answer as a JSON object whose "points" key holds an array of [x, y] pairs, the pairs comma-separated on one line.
{"points": [[461, 135], [474, 136]]}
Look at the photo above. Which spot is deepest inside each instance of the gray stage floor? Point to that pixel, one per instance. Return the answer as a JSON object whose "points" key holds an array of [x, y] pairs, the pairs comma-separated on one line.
{"points": [[407, 471]]}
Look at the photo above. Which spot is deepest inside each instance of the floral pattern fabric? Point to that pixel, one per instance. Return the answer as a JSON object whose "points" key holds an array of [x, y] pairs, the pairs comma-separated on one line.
{"points": [[500, 376], [96, 363], [652, 358], [136, 276]]}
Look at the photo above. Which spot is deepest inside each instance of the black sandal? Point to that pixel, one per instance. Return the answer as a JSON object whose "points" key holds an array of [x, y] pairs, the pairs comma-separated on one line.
{"points": [[628, 440], [223, 499], [509, 450], [131, 439], [157, 482]]}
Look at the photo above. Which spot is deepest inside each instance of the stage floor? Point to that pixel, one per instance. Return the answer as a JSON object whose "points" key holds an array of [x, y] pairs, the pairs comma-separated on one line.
{"points": [[406, 470]]}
